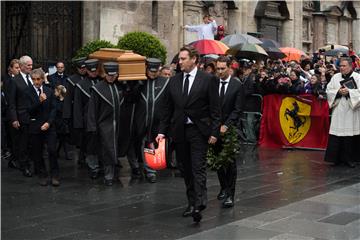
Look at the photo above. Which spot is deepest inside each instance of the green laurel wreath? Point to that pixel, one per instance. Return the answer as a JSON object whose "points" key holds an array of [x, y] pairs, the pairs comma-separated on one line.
{"points": [[226, 151]]}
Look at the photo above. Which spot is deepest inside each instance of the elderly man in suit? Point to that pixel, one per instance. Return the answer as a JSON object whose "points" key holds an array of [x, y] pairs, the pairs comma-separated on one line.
{"points": [[19, 103], [58, 78], [231, 99], [192, 118]]}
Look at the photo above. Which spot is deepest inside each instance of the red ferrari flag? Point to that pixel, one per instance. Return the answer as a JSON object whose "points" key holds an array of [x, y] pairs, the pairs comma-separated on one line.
{"points": [[294, 121]]}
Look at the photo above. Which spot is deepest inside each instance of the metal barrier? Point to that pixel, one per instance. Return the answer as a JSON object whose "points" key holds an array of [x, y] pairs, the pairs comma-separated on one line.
{"points": [[250, 122]]}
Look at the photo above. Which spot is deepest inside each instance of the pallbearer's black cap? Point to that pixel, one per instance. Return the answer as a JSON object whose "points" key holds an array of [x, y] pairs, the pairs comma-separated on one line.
{"points": [[153, 64], [79, 62], [111, 68], [92, 64]]}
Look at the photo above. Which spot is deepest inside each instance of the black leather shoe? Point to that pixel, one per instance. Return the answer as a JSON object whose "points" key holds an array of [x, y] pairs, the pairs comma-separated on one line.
{"points": [[55, 181], [27, 172], [94, 174], [197, 216], [108, 182], [188, 211], [221, 195], [151, 178], [350, 164], [13, 164], [43, 182], [229, 202], [136, 173]]}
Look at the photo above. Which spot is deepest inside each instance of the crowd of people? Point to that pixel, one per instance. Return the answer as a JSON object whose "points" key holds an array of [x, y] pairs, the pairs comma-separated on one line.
{"points": [[107, 119]]}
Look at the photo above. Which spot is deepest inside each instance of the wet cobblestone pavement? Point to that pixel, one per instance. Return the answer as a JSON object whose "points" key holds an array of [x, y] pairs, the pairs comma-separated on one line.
{"points": [[280, 194]]}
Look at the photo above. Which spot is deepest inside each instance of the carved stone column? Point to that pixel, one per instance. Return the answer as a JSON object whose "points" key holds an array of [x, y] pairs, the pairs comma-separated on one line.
{"points": [[319, 38], [356, 34], [91, 21]]}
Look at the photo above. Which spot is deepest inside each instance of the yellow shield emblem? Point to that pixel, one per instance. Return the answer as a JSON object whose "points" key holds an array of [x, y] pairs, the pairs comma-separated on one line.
{"points": [[294, 119]]}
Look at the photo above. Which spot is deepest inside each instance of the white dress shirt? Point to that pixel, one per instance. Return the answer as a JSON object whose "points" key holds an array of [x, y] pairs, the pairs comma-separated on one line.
{"points": [[191, 81], [24, 77], [191, 78], [204, 31], [226, 85], [36, 90]]}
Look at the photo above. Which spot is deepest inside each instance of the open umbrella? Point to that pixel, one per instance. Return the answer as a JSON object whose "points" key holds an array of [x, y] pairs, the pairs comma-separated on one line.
{"points": [[292, 54], [235, 39], [209, 58], [335, 52], [212, 56], [248, 51], [208, 46], [274, 52], [334, 46], [266, 43]]}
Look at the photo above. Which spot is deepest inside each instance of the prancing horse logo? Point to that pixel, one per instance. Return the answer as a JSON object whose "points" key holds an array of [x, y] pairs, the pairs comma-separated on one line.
{"points": [[298, 120], [295, 121]]}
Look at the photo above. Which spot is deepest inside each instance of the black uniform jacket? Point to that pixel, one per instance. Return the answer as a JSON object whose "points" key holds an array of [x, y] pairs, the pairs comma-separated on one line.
{"points": [[148, 108], [81, 101], [103, 118]]}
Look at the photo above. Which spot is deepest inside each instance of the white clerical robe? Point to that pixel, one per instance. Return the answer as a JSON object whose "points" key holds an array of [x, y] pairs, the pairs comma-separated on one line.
{"points": [[345, 120]]}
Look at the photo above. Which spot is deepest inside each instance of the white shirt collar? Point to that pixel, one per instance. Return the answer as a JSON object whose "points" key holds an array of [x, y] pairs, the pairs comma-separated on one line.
{"points": [[41, 87], [192, 73], [24, 77], [226, 80]]}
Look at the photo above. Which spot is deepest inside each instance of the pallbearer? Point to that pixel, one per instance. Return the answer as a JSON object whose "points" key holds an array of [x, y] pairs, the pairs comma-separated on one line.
{"points": [[81, 100], [103, 118], [70, 85], [148, 109]]}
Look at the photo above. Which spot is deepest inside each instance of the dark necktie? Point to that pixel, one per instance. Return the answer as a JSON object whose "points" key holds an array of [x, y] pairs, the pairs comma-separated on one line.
{"points": [[222, 91], [28, 80], [185, 93], [186, 86], [39, 91]]}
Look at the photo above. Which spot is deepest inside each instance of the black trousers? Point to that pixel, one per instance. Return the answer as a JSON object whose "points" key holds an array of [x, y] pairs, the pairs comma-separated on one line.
{"points": [[37, 143], [20, 145], [356, 147], [192, 154], [341, 149], [227, 178]]}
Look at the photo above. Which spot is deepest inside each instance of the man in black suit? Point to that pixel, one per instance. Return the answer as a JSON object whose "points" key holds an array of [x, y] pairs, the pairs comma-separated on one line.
{"points": [[7, 83], [192, 117], [42, 114], [19, 103], [231, 99], [58, 78]]}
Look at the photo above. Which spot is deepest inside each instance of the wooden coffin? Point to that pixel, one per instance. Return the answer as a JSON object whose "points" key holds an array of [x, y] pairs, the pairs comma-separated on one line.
{"points": [[131, 65]]}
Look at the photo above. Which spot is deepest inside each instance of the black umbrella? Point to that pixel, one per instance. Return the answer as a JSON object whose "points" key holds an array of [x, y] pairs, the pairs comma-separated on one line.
{"points": [[248, 51], [274, 53], [335, 52], [266, 43]]}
